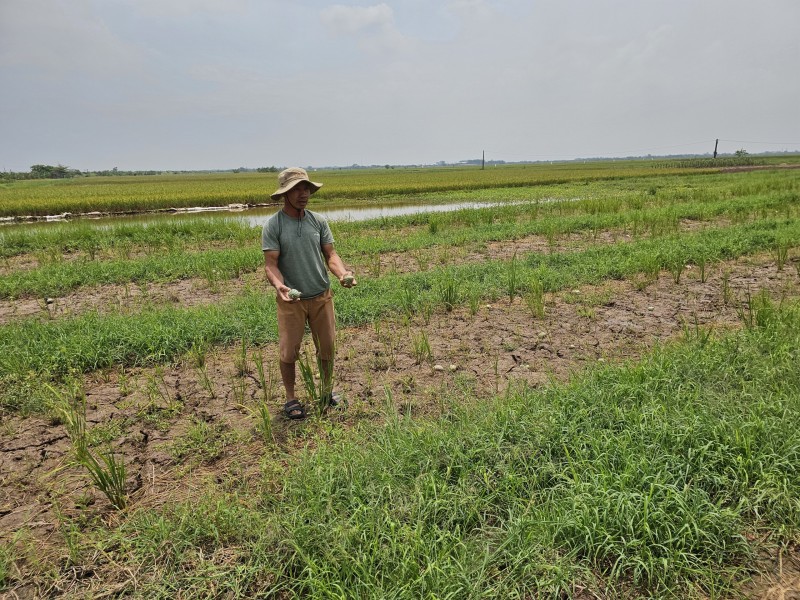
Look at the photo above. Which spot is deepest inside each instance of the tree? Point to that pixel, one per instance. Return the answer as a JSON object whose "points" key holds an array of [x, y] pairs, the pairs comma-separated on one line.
{"points": [[740, 152], [41, 171]]}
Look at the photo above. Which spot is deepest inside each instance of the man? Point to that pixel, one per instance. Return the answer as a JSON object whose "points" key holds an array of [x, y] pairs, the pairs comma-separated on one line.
{"points": [[298, 246]]}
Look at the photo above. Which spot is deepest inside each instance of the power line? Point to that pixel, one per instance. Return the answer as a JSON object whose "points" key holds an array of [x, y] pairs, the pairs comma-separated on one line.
{"points": [[767, 143]]}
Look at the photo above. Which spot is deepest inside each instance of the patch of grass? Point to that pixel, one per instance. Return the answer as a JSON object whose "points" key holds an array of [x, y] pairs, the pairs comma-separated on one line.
{"points": [[105, 469], [6, 564], [534, 298], [645, 476], [202, 443], [421, 347]]}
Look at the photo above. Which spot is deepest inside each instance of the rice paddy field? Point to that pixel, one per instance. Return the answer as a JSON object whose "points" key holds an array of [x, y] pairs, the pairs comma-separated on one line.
{"points": [[588, 388]]}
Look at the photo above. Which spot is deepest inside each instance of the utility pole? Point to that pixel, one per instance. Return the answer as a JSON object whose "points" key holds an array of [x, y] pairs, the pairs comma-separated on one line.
{"points": [[483, 160], [715, 147]]}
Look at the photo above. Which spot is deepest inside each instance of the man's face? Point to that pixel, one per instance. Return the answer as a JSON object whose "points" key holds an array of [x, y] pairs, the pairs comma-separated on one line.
{"points": [[298, 196]]}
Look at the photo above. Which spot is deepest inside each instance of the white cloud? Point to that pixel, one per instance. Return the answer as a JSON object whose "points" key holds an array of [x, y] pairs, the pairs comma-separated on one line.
{"points": [[348, 20], [372, 28]]}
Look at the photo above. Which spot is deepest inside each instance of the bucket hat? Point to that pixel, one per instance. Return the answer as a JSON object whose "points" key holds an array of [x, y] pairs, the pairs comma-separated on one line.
{"points": [[289, 178]]}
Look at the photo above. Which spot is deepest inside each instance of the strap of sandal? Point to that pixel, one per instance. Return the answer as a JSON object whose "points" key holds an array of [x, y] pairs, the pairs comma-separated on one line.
{"points": [[293, 409]]}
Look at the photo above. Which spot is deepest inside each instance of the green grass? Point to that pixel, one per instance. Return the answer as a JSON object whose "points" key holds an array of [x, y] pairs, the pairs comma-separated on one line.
{"points": [[168, 252], [640, 480], [154, 336]]}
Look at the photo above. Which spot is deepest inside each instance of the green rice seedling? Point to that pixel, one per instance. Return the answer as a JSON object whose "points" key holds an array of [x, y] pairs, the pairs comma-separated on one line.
{"points": [[474, 299], [241, 361], [124, 382], [433, 225], [266, 378], [108, 474], [444, 255], [156, 388], [212, 276], [91, 247], [205, 380], [746, 311], [239, 390], [449, 291], [408, 300], [764, 309], [7, 560], [781, 254], [317, 384], [422, 347], [676, 267], [69, 409], [261, 412], [421, 259], [426, 310], [71, 533], [727, 293], [264, 422], [375, 266], [496, 371], [512, 279], [534, 298], [552, 232], [702, 263], [390, 344], [651, 267], [156, 335], [697, 333], [197, 354]]}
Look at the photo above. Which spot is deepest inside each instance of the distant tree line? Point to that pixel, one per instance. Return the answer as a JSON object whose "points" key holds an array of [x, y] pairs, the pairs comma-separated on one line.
{"points": [[62, 172]]}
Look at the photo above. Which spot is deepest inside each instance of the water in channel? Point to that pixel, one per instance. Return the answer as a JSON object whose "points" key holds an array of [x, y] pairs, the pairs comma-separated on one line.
{"points": [[256, 217]]}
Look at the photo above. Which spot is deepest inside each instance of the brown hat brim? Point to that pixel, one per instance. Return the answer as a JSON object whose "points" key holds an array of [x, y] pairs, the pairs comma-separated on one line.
{"points": [[290, 184]]}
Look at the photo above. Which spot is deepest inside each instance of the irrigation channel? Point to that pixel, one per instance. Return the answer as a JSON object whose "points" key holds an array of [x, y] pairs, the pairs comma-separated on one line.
{"points": [[256, 217]]}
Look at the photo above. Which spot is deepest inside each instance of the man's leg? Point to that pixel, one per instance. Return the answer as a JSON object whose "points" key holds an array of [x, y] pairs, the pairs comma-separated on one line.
{"points": [[291, 325], [322, 322], [288, 378]]}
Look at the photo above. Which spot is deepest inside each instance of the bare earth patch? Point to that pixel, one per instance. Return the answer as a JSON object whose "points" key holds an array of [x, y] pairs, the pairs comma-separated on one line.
{"points": [[151, 416]]}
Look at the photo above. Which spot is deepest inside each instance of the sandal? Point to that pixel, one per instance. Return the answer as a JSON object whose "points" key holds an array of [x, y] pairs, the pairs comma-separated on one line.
{"points": [[294, 410], [333, 399]]}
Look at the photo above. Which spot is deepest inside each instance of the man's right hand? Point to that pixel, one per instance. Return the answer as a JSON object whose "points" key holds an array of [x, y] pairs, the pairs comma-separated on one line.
{"points": [[283, 293]]}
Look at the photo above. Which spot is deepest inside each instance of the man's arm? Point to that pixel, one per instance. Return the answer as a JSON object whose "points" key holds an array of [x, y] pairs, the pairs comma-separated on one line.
{"points": [[274, 275], [336, 266]]}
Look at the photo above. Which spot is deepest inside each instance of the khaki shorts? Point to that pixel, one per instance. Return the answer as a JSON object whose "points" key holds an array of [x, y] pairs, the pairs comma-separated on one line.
{"points": [[292, 319]]}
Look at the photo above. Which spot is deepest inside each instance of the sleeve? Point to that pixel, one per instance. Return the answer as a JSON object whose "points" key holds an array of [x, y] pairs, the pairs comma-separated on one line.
{"points": [[270, 235], [325, 233]]}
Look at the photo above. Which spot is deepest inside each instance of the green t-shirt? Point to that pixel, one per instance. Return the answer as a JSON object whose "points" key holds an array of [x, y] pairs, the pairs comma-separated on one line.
{"points": [[299, 242]]}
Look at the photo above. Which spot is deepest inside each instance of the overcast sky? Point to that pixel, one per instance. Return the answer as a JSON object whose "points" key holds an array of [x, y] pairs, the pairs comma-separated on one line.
{"points": [[205, 84]]}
